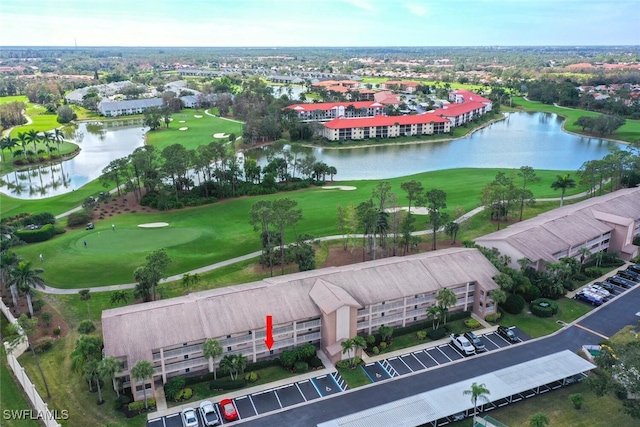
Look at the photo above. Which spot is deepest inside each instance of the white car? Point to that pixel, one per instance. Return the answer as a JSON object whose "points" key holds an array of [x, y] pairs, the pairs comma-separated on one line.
{"points": [[599, 289], [209, 414], [463, 344], [189, 417]]}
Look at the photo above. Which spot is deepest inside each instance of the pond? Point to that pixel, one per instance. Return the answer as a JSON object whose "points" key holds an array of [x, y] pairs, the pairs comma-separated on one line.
{"points": [[521, 139], [99, 144]]}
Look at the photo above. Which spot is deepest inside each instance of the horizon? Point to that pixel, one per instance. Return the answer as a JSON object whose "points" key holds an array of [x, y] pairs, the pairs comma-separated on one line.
{"points": [[332, 23]]}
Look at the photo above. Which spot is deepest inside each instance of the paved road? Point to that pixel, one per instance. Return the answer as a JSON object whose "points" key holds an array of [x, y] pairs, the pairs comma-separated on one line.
{"points": [[604, 320]]}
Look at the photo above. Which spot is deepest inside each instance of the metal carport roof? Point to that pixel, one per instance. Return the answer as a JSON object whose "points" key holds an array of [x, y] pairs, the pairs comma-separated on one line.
{"points": [[446, 401]]}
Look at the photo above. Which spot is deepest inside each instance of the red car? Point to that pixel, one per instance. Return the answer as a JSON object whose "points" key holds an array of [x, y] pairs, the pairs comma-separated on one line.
{"points": [[229, 411]]}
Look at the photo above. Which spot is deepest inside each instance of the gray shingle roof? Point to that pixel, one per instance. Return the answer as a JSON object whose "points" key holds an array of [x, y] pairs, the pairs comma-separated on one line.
{"points": [[131, 103]]}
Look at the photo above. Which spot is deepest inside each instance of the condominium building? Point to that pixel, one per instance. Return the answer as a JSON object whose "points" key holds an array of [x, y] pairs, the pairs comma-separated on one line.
{"points": [[323, 307], [325, 111], [342, 129], [607, 223]]}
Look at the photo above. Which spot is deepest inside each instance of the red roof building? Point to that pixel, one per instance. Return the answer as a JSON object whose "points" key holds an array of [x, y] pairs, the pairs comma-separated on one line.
{"points": [[325, 111], [460, 114], [341, 129], [459, 96]]}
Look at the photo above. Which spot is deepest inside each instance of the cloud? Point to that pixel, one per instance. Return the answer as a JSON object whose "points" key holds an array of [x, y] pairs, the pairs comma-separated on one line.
{"points": [[416, 9]]}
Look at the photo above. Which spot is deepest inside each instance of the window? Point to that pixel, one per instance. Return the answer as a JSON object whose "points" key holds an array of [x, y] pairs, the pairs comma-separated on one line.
{"points": [[186, 356], [229, 348], [228, 336], [271, 352], [184, 344], [187, 370]]}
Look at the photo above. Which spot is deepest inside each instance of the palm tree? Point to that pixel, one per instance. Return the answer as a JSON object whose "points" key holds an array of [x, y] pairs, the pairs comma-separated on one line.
{"points": [[477, 392], [143, 371], [59, 138], [211, 349], [446, 298], [498, 296], [562, 183], [24, 277], [539, 420], [33, 137], [228, 363], [240, 363], [23, 140], [8, 261], [452, 229], [348, 345], [85, 296], [108, 368], [359, 343], [88, 348], [434, 313], [584, 253]]}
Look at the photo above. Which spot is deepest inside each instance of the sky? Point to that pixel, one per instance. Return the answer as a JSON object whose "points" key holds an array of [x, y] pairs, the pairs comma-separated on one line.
{"points": [[319, 22]]}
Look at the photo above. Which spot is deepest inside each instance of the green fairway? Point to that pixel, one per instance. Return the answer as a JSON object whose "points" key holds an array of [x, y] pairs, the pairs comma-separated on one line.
{"points": [[201, 129], [208, 234], [629, 132]]}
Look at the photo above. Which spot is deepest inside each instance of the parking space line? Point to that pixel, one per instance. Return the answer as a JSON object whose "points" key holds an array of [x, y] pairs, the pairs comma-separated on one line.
{"points": [[414, 356], [217, 409], [301, 393], [404, 363], [445, 354], [316, 386], [432, 358], [277, 398]]}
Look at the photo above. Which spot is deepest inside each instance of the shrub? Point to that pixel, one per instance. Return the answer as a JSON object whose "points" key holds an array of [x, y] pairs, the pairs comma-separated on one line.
{"points": [[421, 335], [301, 367], [86, 327], [56, 331], [121, 401], [458, 316], [343, 364], [315, 362], [386, 332], [40, 235], [593, 272], [376, 350], [514, 304], [40, 219], [227, 385], [383, 345], [576, 399], [580, 277], [288, 358], [370, 339], [184, 394], [42, 345], [251, 377], [543, 307], [37, 305], [436, 334], [46, 317], [532, 292], [81, 217], [173, 387], [139, 405], [493, 317], [472, 323]]}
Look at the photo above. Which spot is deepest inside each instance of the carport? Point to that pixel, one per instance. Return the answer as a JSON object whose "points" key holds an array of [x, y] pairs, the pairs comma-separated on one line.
{"points": [[506, 385]]}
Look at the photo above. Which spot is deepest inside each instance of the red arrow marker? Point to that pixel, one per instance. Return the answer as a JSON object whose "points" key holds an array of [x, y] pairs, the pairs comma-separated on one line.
{"points": [[269, 339]]}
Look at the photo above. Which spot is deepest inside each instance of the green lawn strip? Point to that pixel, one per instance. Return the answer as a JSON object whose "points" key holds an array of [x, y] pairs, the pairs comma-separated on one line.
{"points": [[354, 377], [13, 397], [69, 390], [568, 311], [199, 131], [15, 98], [265, 376], [596, 411], [629, 132], [230, 235]]}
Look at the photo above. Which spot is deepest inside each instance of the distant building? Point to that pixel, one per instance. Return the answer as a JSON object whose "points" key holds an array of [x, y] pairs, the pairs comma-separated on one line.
{"points": [[460, 114], [124, 108], [325, 111], [323, 307]]}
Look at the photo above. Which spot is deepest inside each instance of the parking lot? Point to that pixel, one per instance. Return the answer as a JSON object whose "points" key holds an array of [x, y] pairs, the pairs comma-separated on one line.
{"points": [[430, 357], [270, 400]]}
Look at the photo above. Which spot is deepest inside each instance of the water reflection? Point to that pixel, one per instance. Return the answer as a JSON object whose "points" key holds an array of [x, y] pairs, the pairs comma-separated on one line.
{"points": [[99, 144], [532, 139]]}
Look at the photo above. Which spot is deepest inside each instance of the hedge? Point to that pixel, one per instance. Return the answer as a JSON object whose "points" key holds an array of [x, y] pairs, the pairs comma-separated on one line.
{"points": [[40, 235], [139, 405], [227, 384], [549, 309], [436, 334]]}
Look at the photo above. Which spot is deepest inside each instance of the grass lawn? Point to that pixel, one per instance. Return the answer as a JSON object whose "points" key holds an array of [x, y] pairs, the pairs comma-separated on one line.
{"points": [[13, 398], [199, 131], [568, 311], [354, 377], [596, 411], [193, 240], [629, 132]]}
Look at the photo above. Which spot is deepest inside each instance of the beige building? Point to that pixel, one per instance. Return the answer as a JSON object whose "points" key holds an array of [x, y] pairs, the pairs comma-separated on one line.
{"points": [[606, 223], [323, 307]]}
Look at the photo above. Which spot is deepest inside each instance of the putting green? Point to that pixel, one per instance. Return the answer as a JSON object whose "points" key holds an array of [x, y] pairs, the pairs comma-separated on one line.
{"points": [[131, 240]]}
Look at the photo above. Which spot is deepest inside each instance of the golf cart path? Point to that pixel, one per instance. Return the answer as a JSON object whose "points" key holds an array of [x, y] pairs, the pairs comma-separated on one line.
{"points": [[59, 291]]}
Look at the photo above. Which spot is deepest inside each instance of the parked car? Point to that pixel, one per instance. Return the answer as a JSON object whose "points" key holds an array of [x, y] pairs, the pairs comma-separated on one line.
{"points": [[629, 275], [619, 281], [606, 285], [209, 414], [475, 341], [462, 344], [592, 298], [635, 268], [90, 226], [229, 411], [189, 418], [599, 290], [507, 334]]}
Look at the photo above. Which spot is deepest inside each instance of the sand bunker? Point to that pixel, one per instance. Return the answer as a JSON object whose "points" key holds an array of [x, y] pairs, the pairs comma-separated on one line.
{"points": [[197, 117], [154, 225], [339, 187], [414, 210], [221, 135], [181, 121], [185, 128]]}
